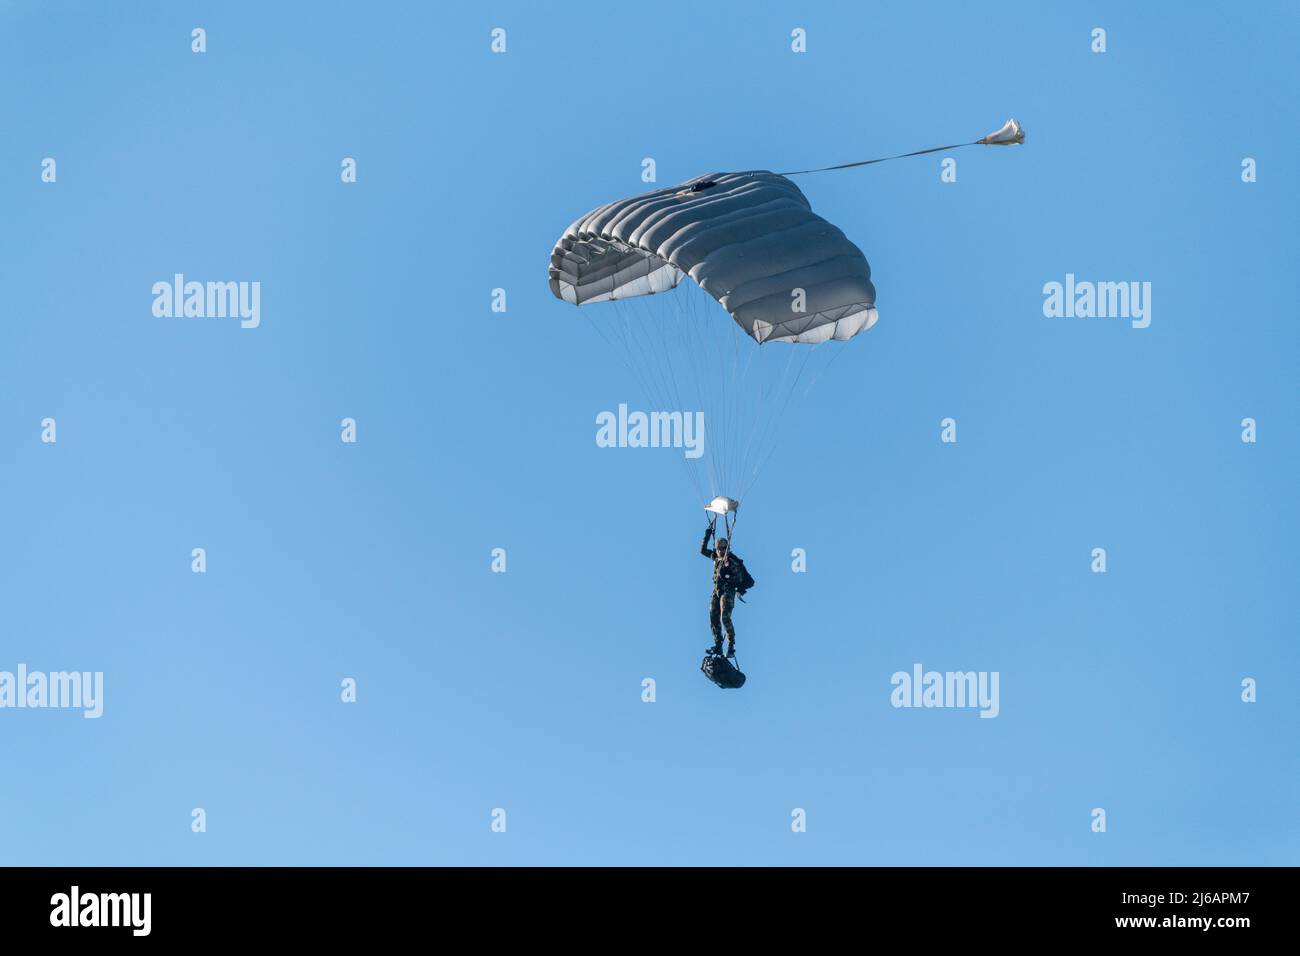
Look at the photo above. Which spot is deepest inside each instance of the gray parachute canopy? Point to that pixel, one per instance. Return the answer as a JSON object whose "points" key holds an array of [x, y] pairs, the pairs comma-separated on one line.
{"points": [[748, 239]]}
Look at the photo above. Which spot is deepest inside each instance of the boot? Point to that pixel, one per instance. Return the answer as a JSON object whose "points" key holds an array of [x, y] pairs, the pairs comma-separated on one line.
{"points": [[716, 649], [731, 648]]}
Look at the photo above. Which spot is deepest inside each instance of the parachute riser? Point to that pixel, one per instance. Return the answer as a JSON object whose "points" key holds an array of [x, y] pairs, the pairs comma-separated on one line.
{"points": [[729, 509]]}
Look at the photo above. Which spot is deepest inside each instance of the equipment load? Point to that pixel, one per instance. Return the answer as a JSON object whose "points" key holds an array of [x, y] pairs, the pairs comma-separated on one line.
{"points": [[722, 672]]}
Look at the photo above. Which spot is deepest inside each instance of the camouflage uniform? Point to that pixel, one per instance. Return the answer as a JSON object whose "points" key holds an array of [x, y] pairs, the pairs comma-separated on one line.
{"points": [[726, 579]]}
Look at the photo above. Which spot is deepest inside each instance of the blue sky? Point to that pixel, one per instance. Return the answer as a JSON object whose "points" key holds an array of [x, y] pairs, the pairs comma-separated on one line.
{"points": [[522, 690]]}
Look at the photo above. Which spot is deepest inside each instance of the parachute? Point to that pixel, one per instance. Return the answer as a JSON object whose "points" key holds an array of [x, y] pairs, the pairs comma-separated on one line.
{"points": [[793, 284], [788, 279], [748, 239]]}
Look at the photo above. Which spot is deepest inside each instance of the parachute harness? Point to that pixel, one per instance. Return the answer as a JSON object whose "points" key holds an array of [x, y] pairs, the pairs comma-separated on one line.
{"points": [[729, 525]]}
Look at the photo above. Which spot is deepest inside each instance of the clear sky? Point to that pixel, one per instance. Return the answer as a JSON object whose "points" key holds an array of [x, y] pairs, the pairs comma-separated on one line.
{"points": [[523, 690]]}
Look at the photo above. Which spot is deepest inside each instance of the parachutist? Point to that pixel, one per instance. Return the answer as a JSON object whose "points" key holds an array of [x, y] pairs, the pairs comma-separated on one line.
{"points": [[750, 241], [730, 578]]}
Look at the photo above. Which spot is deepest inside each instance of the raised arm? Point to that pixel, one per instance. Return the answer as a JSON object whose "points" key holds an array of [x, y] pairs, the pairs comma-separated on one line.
{"points": [[704, 545]]}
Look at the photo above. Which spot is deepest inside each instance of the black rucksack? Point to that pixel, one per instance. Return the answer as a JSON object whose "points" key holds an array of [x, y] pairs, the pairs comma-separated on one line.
{"points": [[722, 672], [746, 579]]}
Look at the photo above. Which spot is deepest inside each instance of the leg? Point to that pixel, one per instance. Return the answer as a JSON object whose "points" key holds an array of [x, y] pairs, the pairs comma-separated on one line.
{"points": [[715, 621], [728, 603]]}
